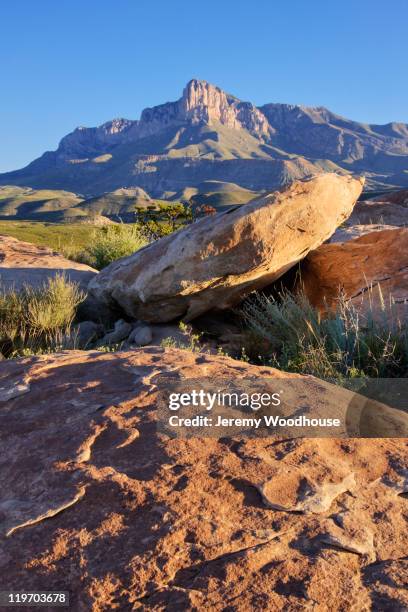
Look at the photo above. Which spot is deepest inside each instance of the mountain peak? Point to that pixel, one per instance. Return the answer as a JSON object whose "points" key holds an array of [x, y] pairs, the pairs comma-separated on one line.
{"points": [[199, 93], [203, 102], [208, 134]]}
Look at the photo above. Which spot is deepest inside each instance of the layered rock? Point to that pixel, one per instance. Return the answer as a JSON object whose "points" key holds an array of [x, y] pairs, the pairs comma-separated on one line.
{"points": [[24, 263], [124, 517], [215, 262], [370, 271]]}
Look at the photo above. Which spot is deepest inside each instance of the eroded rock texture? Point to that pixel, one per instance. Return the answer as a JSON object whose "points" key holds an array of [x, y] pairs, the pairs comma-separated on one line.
{"points": [[95, 501]]}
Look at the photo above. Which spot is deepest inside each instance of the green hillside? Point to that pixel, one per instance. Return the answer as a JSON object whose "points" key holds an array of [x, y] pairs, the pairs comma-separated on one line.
{"points": [[219, 194], [27, 203], [117, 202]]}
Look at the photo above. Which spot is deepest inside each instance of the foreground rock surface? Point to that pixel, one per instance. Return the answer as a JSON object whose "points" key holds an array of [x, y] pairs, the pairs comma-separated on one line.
{"points": [[366, 269], [95, 501], [25, 263], [216, 262]]}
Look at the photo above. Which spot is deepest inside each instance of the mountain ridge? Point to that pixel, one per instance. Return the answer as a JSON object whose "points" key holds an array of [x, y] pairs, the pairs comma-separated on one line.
{"points": [[208, 134]]}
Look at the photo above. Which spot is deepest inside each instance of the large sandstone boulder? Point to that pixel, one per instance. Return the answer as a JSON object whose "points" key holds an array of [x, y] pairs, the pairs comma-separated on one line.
{"points": [[367, 270], [96, 501], [215, 262], [23, 263]]}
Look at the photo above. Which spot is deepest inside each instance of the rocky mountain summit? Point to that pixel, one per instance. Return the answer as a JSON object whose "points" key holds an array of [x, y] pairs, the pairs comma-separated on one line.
{"points": [[210, 135]]}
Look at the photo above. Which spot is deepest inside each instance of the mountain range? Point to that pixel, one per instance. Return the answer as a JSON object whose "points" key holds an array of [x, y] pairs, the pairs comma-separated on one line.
{"points": [[210, 135]]}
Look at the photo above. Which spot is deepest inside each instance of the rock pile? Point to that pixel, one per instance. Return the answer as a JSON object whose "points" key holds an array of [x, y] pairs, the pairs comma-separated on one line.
{"points": [[97, 499]]}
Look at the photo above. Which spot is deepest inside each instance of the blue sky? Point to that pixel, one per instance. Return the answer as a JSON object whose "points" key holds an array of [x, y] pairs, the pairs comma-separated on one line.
{"points": [[65, 63]]}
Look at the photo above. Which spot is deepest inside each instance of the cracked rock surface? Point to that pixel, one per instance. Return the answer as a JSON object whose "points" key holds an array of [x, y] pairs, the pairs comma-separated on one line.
{"points": [[94, 500]]}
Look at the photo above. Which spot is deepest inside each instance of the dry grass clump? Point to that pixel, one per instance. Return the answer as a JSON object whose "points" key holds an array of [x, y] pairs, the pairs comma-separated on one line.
{"points": [[113, 242], [36, 320], [289, 333]]}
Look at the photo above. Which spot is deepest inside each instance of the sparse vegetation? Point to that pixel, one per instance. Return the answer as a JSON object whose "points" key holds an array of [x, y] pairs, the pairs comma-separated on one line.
{"points": [[113, 242], [192, 343], [38, 320], [289, 333]]}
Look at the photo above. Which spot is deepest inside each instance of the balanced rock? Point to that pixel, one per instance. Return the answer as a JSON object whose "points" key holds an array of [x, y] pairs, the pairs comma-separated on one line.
{"points": [[368, 270], [217, 261], [23, 263], [124, 517]]}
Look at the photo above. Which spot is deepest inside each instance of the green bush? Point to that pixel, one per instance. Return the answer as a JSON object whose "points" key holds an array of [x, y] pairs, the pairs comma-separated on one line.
{"points": [[113, 242], [38, 320], [289, 333]]}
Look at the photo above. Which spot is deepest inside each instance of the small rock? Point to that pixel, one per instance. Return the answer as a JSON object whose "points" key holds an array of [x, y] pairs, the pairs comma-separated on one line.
{"points": [[141, 336], [87, 332], [120, 332], [294, 491]]}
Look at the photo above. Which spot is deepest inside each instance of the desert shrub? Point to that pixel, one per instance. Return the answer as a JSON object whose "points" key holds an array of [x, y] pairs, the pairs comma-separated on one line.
{"points": [[289, 333], [113, 242], [163, 218], [36, 320]]}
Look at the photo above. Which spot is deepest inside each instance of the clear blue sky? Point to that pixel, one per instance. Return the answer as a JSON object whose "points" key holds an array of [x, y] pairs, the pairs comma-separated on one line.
{"points": [[65, 63]]}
